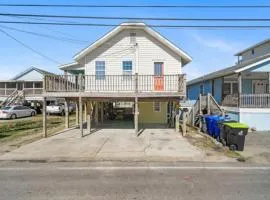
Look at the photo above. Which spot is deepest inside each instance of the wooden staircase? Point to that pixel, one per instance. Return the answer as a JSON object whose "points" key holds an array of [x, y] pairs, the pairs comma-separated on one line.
{"points": [[15, 98], [204, 105]]}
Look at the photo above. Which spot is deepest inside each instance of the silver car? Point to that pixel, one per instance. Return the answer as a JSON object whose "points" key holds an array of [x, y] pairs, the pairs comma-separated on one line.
{"points": [[13, 112]]}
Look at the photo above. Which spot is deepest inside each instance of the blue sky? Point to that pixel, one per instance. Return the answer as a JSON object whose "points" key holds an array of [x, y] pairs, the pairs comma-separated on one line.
{"points": [[210, 49]]}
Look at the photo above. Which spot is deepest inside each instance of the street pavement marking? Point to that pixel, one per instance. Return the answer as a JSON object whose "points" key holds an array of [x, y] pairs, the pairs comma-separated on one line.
{"points": [[134, 168]]}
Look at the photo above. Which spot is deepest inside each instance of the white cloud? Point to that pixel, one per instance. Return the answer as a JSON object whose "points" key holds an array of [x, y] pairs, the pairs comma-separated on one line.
{"points": [[193, 71], [216, 43]]}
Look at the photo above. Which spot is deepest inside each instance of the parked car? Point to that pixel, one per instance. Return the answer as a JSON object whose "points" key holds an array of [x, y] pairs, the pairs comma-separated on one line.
{"points": [[59, 108], [13, 112]]}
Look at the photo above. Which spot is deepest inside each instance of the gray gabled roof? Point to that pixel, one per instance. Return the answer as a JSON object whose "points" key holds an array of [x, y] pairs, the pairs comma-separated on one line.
{"points": [[228, 71], [252, 47], [29, 70]]}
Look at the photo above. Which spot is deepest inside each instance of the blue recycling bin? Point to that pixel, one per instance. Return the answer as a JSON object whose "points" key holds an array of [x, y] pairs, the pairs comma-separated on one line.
{"points": [[217, 126], [210, 123], [213, 124]]}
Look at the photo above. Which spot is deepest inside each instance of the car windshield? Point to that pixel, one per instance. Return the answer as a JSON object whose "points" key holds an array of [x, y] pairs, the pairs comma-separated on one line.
{"points": [[54, 104], [6, 108]]}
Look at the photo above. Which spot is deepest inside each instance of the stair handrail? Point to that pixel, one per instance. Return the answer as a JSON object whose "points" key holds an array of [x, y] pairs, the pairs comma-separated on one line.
{"points": [[216, 103], [9, 97], [20, 94]]}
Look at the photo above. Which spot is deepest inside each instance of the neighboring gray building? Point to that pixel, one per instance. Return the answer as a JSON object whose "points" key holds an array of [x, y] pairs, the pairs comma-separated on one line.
{"points": [[28, 84], [242, 89]]}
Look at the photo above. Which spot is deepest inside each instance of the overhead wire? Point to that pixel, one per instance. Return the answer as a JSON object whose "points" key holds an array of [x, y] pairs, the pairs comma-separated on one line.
{"points": [[138, 25], [63, 39], [129, 18], [30, 48], [134, 6]]}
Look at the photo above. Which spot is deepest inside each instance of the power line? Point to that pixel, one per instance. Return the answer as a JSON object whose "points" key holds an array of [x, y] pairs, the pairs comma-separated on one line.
{"points": [[133, 6], [63, 39], [131, 18], [30, 48], [148, 25]]}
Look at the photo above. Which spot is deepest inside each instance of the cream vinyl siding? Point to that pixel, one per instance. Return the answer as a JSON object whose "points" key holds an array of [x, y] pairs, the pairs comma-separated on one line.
{"points": [[119, 49]]}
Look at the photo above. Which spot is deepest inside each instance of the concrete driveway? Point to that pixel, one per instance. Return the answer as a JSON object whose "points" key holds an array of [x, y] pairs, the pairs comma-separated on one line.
{"points": [[257, 147], [110, 144]]}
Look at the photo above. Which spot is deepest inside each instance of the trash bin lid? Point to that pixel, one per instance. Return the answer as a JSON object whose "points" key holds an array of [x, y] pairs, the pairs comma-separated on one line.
{"points": [[236, 125]]}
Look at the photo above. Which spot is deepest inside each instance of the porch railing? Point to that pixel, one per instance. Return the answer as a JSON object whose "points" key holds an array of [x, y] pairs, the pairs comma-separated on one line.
{"points": [[27, 91], [247, 100], [255, 100], [115, 83], [230, 100]]}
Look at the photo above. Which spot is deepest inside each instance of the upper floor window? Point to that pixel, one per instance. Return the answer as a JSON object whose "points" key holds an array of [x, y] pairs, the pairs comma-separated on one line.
{"points": [[100, 70], [252, 51], [132, 38], [38, 84], [127, 68]]}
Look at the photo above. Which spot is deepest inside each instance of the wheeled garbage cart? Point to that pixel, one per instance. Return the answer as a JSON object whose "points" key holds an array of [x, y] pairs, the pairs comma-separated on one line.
{"points": [[234, 133]]}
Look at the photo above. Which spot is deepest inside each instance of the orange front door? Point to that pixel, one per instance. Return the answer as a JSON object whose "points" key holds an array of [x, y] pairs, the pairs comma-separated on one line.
{"points": [[159, 76]]}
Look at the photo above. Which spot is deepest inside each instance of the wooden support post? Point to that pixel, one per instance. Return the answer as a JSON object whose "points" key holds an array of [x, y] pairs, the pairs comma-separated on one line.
{"points": [[66, 114], [102, 112], [184, 125], [136, 116], [81, 115], [200, 110], [77, 113], [44, 113], [239, 88], [96, 112], [208, 104], [193, 116], [173, 113], [89, 123], [85, 111], [177, 123]]}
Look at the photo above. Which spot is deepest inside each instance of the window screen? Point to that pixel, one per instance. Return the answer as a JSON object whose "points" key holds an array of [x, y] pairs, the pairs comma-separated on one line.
{"points": [[127, 68], [100, 70], [156, 106]]}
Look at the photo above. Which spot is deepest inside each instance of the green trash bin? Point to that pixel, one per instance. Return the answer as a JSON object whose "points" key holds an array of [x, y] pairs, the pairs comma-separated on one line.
{"points": [[235, 135]]}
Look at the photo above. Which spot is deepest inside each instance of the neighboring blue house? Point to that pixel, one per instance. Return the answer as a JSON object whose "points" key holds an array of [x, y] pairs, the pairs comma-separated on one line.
{"points": [[243, 89]]}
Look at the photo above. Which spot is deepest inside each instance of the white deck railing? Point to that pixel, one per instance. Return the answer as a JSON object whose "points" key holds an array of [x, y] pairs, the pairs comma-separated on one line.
{"points": [[255, 100], [115, 83], [247, 100]]}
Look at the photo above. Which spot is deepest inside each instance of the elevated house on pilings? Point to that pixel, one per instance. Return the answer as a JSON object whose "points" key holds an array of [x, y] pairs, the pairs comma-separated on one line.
{"points": [[26, 86], [243, 89], [132, 63]]}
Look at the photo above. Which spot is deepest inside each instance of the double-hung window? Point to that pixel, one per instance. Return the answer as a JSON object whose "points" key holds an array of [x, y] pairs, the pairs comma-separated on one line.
{"points": [[127, 69], [156, 106], [100, 70]]}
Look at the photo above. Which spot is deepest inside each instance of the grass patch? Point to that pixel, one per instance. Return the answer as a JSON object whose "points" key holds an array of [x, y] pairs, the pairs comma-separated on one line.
{"points": [[206, 143], [13, 129]]}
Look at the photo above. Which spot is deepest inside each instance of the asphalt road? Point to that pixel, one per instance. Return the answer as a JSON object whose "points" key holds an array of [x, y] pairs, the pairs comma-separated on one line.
{"points": [[189, 181]]}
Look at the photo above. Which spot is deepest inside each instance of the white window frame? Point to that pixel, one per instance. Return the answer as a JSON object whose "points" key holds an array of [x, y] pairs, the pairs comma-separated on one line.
{"points": [[127, 74], [231, 85], [155, 103], [98, 76]]}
